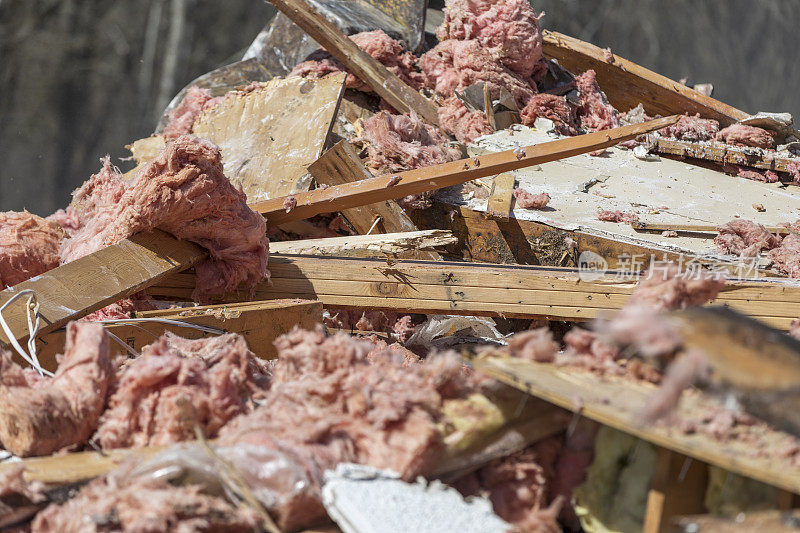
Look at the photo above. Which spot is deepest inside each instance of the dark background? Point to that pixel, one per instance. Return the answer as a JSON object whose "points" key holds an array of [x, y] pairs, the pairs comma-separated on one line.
{"points": [[82, 78]]}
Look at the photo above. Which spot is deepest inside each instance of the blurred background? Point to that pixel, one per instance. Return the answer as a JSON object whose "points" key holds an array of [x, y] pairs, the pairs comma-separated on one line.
{"points": [[81, 78]]}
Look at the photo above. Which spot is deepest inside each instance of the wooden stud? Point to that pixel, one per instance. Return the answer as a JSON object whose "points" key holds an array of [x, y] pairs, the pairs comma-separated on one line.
{"points": [[501, 197], [678, 488], [725, 154]]}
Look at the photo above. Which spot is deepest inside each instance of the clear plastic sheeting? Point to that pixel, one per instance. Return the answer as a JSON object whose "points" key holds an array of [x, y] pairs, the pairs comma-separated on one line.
{"points": [[441, 331]]}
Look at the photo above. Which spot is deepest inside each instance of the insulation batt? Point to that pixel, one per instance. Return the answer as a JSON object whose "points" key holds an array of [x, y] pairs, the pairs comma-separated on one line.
{"points": [[177, 384], [28, 246], [751, 174], [404, 142], [43, 415], [745, 238], [528, 200], [183, 192], [743, 135], [793, 169], [463, 124], [387, 51], [534, 345], [692, 128], [508, 29], [665, 287], [181, 119], [455, 65], [554, 108], [616, 216], [594, 111], [144, 504], [786, 257], [67, 218], [328, 404]]}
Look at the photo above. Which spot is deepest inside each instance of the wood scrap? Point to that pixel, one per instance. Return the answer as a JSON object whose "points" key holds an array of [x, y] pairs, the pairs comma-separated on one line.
{"points": [[421, 180], [386, 84], [501, 197], [627, 84], [673, 491], [640, 225], [386, 243]]}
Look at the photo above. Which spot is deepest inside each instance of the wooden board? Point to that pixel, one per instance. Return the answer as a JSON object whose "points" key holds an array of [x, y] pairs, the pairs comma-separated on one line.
{"points": [[678, 488], [480, 289], [341, 165], [73, 290], [627, 84], [615, 402], [501, 197], [262, 146], [259, 322], [434, 177], [386, 84], [366, 245], [725, 154]]}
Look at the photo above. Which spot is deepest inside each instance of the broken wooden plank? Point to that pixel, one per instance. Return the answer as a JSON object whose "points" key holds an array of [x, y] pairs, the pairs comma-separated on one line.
{"points": [[262, 147], [501, 197], [389, 187], [386, 243], [678, 488], [77, 288], [259, 322], [341, 165], [725, 154], [615, 402], [627, 84], [641, 225], [480, 289], [386, 84]]}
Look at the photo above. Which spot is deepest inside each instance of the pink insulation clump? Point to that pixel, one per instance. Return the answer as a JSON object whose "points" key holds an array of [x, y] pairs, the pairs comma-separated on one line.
{"points": [[794, 329], [681, 375], [404, 329], [793, 168], [616, 216], [745, 238], [463, 124], [692, 128], [766, 176], [181, 119], [665, 287], [122, 502], [40, 415], [551, 107], [528, 200], [377, 44], [455, 65], [177, 384], [28, 246], [328, 404], [508, 29], [594, 111], [183, 192], [534, 345], [743, 135], [67, 218], [786, 257]]}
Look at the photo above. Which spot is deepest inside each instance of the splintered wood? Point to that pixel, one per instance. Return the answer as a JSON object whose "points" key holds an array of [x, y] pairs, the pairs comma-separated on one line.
{"points": [[615, 402], [367, 245], [270, 135]]}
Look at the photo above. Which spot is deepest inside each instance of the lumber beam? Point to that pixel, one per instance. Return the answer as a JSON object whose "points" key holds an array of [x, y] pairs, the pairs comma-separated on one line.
{"points": [[616, 401], [627, 84], [260, 323], [341, 165], [386, 84], [725, 154], [435, 287], [385, 243], [85, 285], [678, 488], [390, 187]]}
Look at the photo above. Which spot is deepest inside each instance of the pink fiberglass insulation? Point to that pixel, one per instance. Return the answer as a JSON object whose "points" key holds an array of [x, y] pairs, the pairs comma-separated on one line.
{"points": [[508, 29], [121, 309], [183, 192], [681, 374], [786, 257], [692, 128], [181, 119], [328, 404], [793, 168], [389, 52], [767, 176], [554, 108], [178, 384], [745, 238], [19, 499], [616, 216], [463, 124], [455, 65], [43, 415], [371, 320], [794, 329], [667, 288], [67, 218], [404, 329], [528, 200], [535, 345], [743, 135], [594, 111], [380, 349], [117, 502], [28, 246]]}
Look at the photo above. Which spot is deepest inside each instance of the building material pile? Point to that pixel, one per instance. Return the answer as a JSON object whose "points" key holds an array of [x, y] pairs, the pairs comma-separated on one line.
{"points": [[164, 416]]}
